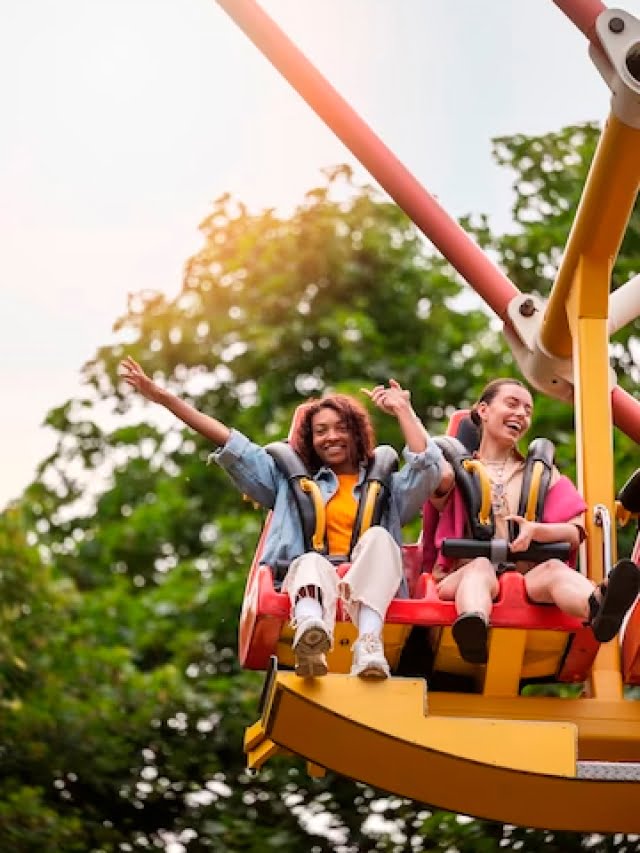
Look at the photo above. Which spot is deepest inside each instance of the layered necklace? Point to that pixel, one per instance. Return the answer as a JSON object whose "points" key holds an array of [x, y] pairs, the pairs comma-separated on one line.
{"points": [[497, 470]]}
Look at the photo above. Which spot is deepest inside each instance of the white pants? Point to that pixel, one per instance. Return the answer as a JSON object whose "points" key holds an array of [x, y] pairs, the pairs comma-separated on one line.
{"points": [[373, 578]]}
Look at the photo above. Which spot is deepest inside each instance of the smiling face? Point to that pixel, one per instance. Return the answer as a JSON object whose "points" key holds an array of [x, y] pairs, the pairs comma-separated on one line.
{"points": [[507, 416], [334, 431], [333, 442]]}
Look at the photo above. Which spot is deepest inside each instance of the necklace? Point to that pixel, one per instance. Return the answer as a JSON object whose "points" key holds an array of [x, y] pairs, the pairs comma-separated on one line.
{"points": [[496, 468]]}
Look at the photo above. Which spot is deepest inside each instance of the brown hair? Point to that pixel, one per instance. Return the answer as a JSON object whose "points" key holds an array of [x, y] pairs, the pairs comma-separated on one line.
{"points": [[489, 391], [355, 417]]}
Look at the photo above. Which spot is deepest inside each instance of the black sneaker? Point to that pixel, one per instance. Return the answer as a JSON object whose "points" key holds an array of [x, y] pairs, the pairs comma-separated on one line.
{"points": [[617, 595], [470, 631]]}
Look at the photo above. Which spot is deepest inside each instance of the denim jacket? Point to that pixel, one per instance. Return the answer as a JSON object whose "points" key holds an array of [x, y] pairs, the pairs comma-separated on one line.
{"points": [[255, 474]]}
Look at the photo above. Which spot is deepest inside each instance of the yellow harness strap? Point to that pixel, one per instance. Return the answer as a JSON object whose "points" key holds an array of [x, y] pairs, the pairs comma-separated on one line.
{"points": [[476, 466], [534, 488], [311, 488], [370, 504]]}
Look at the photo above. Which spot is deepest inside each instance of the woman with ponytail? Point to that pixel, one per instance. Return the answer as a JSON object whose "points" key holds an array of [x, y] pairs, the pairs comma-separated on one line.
{"points": [[503, 416]]}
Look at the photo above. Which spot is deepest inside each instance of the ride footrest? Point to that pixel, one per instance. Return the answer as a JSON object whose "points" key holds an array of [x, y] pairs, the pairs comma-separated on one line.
{"points": [[622, 771]]}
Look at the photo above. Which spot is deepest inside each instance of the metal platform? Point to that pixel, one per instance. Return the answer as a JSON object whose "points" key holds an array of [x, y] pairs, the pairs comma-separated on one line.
{"points": [[532, 761]]}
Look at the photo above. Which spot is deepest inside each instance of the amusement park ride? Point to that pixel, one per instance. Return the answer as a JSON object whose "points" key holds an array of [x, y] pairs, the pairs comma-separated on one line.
{"points": [[488, 750]]}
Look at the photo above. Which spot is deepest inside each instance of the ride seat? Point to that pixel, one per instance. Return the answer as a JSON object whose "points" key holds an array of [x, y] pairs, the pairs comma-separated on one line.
{"points": [[264, 628], [264, 621], [265, 631], [566, 655]]}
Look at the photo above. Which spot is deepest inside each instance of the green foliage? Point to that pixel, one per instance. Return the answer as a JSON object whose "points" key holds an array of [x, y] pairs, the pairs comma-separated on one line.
{"points": [[123, 707]]}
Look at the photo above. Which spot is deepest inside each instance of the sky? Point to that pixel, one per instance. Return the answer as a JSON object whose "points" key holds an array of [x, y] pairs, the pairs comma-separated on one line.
{"points": [[122, 120]]}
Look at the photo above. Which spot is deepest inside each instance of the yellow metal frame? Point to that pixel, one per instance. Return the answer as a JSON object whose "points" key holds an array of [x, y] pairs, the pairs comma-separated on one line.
{"points": [[514, 655], [498, 754], [576, 324], [469, 754]]}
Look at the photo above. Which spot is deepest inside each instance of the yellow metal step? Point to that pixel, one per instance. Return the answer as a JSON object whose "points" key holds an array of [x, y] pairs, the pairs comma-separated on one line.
{"points": [[508, 767]]}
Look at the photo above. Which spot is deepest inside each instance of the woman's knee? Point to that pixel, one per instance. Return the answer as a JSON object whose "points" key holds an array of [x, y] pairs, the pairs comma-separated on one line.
{"points": [[541, 581], [309, 569], [378, 544], [479, 571], [482, 570], [377, 535], [548, 573]]}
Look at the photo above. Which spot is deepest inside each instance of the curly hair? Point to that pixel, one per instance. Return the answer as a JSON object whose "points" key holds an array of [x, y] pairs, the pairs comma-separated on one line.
{"points": [[355, 418], [489, 392]]}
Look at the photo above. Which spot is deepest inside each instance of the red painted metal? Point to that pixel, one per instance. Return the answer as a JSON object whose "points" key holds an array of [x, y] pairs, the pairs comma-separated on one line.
{"points": [[583, 13], [631, 635], [444, 232], [489, 282], [626, 413], [512, 609]]}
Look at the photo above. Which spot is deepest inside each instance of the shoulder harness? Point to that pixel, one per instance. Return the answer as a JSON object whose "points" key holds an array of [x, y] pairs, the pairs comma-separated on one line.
{"points": [[310, 503], [472, 480]]}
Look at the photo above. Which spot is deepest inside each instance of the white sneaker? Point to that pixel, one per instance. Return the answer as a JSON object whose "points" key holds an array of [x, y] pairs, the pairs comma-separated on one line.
{"points": [[311, 666], [311, 641], [368, 658]]}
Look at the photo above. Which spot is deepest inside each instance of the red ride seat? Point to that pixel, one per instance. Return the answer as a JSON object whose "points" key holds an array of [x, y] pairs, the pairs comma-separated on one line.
{"points": [[265, 612], [512, 608]]}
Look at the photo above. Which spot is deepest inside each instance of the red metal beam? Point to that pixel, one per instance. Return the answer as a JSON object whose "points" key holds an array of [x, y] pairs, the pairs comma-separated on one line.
{"points": [[469, 260], [444, 232], [626, 413], [583, 13]]}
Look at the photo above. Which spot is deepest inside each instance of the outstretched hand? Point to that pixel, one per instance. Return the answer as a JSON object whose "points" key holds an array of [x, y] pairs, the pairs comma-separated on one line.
{"points": [[392, 400], [210, 428], [135, 376]]}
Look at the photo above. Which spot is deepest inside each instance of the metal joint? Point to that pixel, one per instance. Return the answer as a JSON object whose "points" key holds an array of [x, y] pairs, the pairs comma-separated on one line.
{"points": [[618, 61], [602, 519]]}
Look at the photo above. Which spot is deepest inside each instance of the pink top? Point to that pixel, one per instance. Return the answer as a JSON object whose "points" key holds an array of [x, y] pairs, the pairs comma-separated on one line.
{"points": [[563, 503]]}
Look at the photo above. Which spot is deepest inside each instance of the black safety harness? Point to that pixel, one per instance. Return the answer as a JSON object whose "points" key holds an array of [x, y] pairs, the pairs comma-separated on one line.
{"points": [[474, 485], [374, 496]]}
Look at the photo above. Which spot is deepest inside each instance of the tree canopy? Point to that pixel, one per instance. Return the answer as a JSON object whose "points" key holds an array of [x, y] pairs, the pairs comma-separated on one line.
{"points": [[123, 565]]}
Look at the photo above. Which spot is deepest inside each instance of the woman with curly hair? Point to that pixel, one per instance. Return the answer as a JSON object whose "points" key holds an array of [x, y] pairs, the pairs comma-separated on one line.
{"points": [[335, 439]]}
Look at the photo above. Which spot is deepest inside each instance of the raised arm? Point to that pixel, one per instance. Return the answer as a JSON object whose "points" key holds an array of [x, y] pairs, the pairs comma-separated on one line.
{"points": [[396, 401], [207, 426]]}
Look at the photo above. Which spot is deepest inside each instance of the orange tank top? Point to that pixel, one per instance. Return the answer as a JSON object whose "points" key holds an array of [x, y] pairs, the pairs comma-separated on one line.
{"points": [[341, 515]]}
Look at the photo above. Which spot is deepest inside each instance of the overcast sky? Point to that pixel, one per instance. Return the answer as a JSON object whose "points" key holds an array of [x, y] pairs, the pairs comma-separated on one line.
{"points": [[123, 119]]}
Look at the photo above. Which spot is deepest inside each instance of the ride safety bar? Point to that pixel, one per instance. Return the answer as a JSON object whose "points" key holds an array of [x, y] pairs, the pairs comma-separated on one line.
{"points": [[498, 551]]}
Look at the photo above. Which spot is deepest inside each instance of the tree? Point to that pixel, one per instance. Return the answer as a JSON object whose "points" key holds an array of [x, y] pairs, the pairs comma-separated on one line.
{"points": [[155, 543], [132, 716]]}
